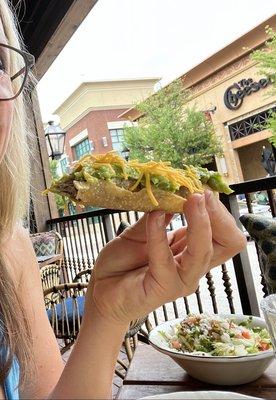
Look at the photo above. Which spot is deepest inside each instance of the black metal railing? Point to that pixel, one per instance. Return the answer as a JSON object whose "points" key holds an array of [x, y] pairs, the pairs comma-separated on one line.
{"points": [[85, 234], [248, 126]]}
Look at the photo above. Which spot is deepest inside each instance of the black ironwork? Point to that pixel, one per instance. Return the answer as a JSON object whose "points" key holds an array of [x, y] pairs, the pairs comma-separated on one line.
{"points": [[198, 298], [55, 140], [125, 153], [249, 202], [85, 234], [254, 185], [228, 289], [272, 202], [212, 290], [250, 125], [175, 310]]}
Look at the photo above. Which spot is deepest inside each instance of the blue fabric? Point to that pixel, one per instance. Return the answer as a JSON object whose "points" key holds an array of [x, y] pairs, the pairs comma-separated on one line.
{"points": [[12, 381], [69, 307]]}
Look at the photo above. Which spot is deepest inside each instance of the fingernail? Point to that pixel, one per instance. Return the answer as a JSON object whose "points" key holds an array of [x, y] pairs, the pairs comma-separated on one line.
{"points": [[210, 200], [201, 204], [160, 220]]}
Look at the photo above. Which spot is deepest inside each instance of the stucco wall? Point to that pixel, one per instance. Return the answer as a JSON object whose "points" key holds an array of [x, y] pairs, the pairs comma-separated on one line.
{"points": [[210, 93]]}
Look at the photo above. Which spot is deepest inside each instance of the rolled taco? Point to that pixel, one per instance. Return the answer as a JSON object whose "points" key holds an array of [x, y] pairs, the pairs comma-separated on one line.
{"points": [[108, 181]]}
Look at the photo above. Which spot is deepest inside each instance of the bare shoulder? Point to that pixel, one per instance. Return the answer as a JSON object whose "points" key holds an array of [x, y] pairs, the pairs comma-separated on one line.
{"points": [[19, 253]]}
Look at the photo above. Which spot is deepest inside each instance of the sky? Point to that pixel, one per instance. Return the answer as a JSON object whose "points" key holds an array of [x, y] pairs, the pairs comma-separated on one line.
{"points": [[146, 38]]}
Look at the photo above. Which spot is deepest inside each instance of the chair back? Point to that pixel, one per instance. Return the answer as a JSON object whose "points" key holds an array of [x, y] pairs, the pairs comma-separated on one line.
{"points": [[50, 276], [65, 308], [83, 276], [47, 244]]}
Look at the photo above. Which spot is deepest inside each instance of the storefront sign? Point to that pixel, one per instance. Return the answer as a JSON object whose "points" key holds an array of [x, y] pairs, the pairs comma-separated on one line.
{"points": [[234, 95]]}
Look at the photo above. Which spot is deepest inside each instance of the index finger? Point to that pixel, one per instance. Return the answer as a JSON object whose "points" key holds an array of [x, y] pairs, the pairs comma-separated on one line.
{"points": [[138, 231], [224, 228]]}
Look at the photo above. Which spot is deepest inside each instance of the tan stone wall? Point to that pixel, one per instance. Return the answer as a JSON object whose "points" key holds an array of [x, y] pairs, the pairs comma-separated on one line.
{"points": [[210, 93], [103, 96], [250, 159]]}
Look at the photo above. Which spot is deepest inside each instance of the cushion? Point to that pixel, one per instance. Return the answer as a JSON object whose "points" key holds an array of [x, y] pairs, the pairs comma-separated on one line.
{"points": [[69, 304], [263, 231], [44, 243]]}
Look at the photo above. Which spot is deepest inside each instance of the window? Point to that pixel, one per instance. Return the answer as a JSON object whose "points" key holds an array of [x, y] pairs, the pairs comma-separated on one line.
{"points": [[247, 126], [117, 139], [105, 143], [82, 148], [64, 165]]}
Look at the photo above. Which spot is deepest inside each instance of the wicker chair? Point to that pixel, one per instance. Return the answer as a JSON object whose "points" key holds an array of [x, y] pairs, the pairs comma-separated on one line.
{"points": [[50, 276], [135, 330], [65, 306], [43, 243], [83, 276]]}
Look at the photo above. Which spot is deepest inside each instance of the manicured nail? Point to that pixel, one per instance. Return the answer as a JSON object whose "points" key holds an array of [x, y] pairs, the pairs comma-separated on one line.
{"points": [[210, 200], [201, 204], [160, 220]]}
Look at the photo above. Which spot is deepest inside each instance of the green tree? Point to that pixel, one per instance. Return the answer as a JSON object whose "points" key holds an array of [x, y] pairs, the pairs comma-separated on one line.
{"points": [[170, 130], [266, 59], [61, 201]]}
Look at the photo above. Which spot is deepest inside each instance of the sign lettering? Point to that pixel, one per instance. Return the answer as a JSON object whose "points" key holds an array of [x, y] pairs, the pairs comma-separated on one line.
{"points": [[234, 94]]}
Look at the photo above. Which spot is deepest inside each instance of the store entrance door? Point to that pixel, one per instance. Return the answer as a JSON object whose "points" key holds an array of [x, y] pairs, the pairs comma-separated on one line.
{"points": [[250, 157]]}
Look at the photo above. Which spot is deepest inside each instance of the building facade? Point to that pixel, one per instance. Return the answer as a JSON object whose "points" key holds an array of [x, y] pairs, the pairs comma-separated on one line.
{"points": [[237, 97], [90, 116]]}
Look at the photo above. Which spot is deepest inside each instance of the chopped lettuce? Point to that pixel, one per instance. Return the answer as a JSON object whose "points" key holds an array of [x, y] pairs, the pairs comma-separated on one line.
{"points": [[215, 336]]}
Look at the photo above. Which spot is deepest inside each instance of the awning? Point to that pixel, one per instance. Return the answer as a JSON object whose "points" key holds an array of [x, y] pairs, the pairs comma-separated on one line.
{"points": [[47, 25]]}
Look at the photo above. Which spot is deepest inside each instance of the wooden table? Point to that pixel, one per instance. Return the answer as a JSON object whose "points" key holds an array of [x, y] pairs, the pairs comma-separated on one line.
{"points": [[46, 260], [152, 373]]}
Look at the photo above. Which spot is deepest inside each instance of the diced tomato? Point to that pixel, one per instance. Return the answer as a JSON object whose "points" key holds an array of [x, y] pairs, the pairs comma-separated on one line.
{"points": [[264, 346], [246, 334], [176, 345]]}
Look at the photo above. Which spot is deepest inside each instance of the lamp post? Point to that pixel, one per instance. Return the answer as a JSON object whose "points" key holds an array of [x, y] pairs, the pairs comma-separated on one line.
{"points": [[125, 153], [55, 140]]}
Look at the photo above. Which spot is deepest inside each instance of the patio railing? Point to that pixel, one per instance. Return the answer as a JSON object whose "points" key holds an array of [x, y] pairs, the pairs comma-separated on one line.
{"points": [[236, 287]]}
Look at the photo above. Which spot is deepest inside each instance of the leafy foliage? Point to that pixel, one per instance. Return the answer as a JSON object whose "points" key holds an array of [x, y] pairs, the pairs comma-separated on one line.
{"points": [[60, 200], [267, 66], [169, 130]]}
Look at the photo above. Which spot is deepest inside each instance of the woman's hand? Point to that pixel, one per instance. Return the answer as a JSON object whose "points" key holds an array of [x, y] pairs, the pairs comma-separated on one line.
{"points": [[146, 267]]}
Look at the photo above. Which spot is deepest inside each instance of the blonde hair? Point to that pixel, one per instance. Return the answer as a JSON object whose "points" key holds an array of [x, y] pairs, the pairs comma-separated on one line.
{"points": [[14, 168], [14, 203]]}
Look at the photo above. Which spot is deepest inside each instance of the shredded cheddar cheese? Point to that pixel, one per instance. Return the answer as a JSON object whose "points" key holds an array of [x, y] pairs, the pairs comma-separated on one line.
{"points": [[137, 182], [187, 178], [149, 190], [98, 160]]}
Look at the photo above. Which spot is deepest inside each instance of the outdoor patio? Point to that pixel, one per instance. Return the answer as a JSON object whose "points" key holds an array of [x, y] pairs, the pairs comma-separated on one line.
{"points": [[234, 287]]}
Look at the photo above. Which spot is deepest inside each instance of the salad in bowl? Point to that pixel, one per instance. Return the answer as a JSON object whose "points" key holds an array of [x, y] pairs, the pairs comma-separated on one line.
{"points": [[217, 336], [226, 349]]}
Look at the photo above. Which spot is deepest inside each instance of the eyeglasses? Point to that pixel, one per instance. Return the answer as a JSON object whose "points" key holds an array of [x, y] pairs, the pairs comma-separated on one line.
{"points": [[13, 74]]}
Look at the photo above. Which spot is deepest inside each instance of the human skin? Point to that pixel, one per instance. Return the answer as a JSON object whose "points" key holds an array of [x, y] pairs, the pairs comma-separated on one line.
{"points": [[134, 274]]}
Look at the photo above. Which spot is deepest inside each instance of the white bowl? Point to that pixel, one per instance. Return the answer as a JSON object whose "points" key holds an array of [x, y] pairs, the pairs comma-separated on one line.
{"points": [[218, 370], [201, 395]]}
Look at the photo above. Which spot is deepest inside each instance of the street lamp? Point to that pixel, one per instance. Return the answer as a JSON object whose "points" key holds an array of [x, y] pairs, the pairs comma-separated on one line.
{"points": [[125, 153], [55, 139]]}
